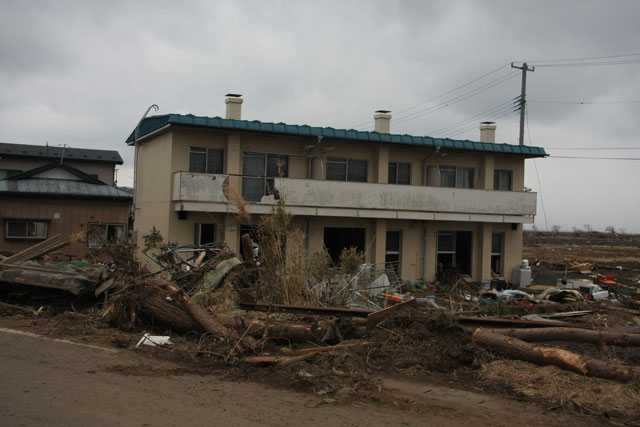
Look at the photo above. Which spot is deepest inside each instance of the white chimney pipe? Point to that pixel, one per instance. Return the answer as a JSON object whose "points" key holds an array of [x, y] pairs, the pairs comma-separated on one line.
{"points": [[488, 132], [234, 106], [382, 120]]}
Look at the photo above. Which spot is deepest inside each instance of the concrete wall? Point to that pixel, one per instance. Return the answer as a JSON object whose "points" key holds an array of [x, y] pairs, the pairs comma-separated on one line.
{"points": [[65, 216]]}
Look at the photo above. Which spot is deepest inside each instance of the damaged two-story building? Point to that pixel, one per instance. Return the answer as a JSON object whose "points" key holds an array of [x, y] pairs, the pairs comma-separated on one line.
{"points": [[411, 202]]}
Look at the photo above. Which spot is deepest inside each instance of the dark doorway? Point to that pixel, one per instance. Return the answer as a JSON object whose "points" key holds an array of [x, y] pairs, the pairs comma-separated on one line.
{"points": [[338, 238], [205, 234]]}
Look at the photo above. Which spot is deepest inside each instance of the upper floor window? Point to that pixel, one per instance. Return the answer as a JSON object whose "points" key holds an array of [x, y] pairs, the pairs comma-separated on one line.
{"points": [[457, 177], [399, 173], [205, 160], [342, 169], [502, 180], [26, 229], [259, 169]]}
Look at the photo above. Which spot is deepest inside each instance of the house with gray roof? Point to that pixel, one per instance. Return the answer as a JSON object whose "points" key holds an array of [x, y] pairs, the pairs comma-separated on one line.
{"points": [[60, 190]]}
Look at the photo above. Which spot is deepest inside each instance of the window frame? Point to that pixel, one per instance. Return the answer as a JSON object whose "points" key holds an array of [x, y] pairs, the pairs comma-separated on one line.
{"points": [[500, 254], [391, 253], [105, 235], [38, 223], [267, 179], [346, 161], [499, 175], [393, 178], [457, 170], [209, 167]]}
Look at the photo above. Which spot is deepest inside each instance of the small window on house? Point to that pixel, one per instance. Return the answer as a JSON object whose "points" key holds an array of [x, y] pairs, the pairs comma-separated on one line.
{"points": [[400, 173], [343, 169], [205, 160], [502, 180], [99, 234], [26, 229], [392, 253], [456, 177], [497, 245]]}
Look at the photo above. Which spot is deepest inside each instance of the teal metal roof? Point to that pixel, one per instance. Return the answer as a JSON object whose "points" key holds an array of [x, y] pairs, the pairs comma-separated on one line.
{"points": [[154, 123]]}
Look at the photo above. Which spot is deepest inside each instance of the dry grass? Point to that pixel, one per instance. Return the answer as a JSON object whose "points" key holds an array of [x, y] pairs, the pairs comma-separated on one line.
{"points": [[350, 260], [320, 266], [240, 206], [594, 396], [282, 276]]}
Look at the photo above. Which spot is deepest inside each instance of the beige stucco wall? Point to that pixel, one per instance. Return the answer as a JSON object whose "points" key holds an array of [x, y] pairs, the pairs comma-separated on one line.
{"points": [[156, 167]]}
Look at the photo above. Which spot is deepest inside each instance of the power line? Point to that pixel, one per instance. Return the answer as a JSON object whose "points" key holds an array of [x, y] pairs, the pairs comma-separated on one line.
{"points": [[589, 64], [586, 102], [595, 158], [441, 95], [592, 148], [535, 166], [586, 59], [457, 99], [499, 107]]}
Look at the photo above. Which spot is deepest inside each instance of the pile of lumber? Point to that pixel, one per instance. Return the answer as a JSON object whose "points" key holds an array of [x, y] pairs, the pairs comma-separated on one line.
{"points": [[37, 250]]}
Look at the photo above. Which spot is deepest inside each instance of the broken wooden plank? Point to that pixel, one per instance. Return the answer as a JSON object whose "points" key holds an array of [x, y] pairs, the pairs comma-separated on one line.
{"points": [[378, 316], [78, 275], [518, 349], [519, 322], [330, 348], [324, 311]]}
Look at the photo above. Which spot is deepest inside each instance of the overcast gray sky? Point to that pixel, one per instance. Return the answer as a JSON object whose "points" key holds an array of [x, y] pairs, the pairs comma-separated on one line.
{"points": [[83, 72]]}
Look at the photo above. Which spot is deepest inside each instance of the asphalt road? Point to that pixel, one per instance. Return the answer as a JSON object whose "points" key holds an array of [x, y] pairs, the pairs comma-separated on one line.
{"points": [[46, 382]]}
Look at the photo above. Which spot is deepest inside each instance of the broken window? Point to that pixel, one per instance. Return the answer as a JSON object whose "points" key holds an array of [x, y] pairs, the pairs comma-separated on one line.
{"points": [[25, 229], [205, 160], [456, 177], [502, 180], [392, 250], [259, 169], [497, 245], [454, 250], [338, 238], [399, 173], [99, 234], [204, 234], [342, 169]]}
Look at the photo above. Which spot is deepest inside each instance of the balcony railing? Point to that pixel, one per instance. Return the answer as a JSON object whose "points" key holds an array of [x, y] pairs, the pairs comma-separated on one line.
{"points": [[196, 189]]}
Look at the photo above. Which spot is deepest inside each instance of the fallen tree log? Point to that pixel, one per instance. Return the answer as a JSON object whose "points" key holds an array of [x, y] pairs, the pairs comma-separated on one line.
{"points": [[518, 349], [214, 327], [573, 335]]}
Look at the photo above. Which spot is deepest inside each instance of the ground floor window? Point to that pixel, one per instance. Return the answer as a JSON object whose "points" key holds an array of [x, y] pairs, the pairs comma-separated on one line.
{"points": [[26, 229], [100, 233], [338, 238], [205, 234], [497, 249], [454, 250], [392, 250]]}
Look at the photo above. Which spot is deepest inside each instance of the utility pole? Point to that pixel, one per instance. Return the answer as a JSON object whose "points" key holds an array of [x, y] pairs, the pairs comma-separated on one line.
{"points": [[523, 96]]}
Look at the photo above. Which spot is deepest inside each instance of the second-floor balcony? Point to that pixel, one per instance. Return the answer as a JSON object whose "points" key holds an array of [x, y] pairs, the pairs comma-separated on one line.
{"points": [[206, 192]]}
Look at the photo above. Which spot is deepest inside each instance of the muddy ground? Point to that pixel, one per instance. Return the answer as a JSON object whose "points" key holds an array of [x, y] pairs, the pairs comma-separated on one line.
{"points": [[415, 347]]}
